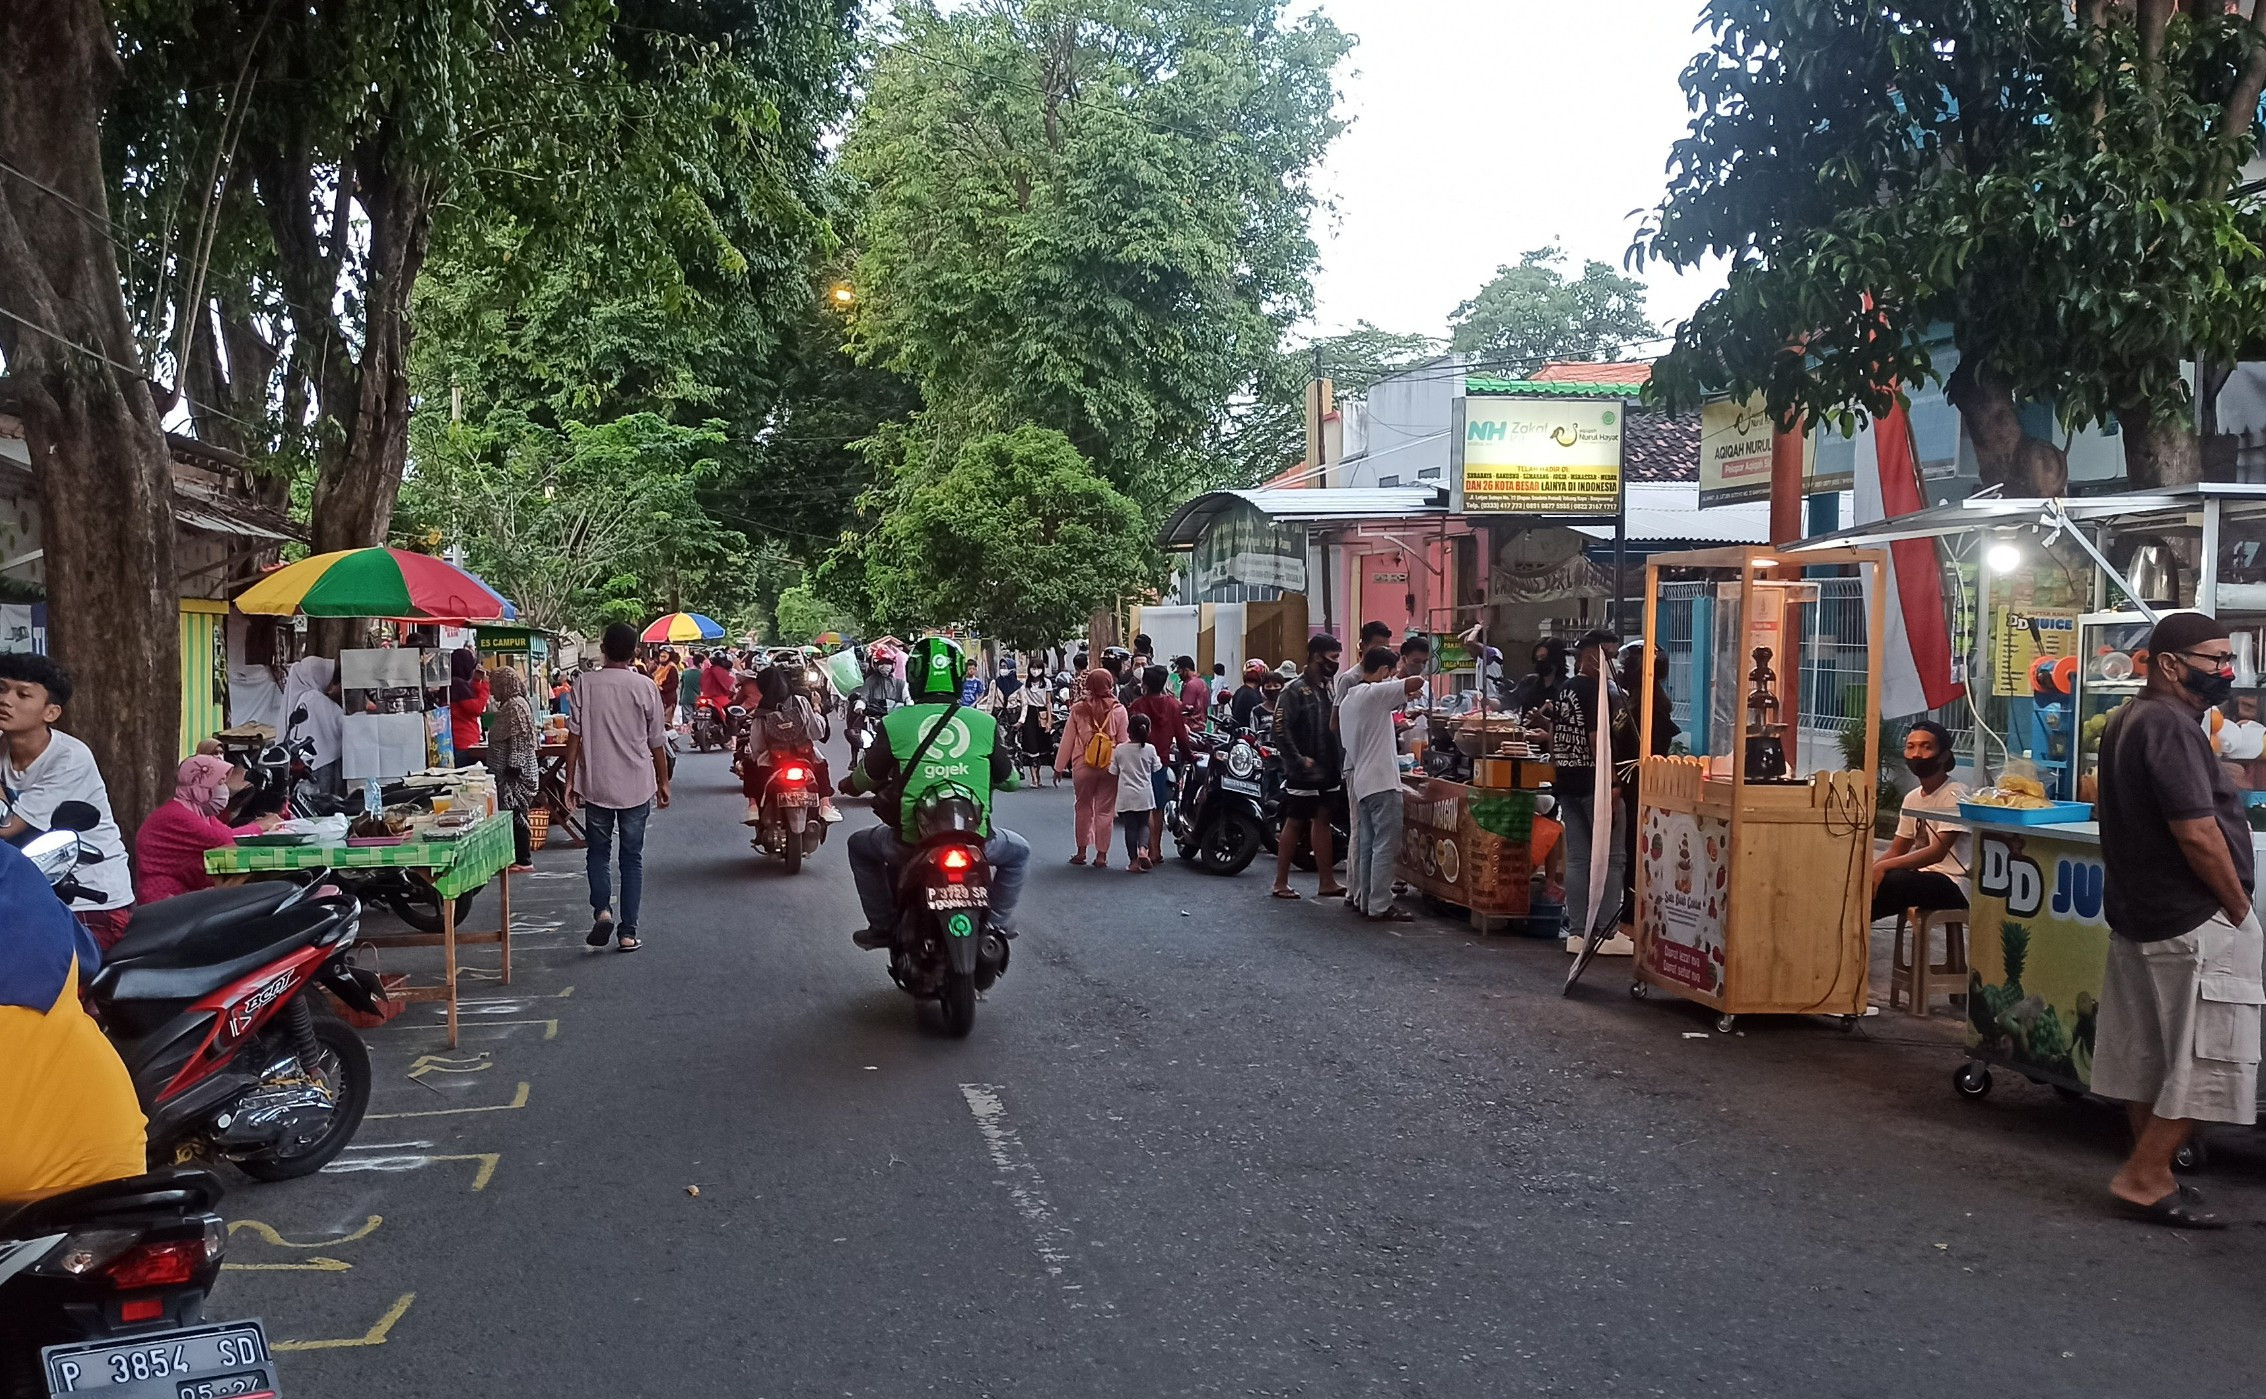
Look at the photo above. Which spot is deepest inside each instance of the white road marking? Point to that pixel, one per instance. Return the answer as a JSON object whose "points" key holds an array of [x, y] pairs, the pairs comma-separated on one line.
{"points": [[1053, 1239]]}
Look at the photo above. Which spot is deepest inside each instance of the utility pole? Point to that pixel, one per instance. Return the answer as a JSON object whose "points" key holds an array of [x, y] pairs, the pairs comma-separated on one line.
{"points": [[1321, 453]]}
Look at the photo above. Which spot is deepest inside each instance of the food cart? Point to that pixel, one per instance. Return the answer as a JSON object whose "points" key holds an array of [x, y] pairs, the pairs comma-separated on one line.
{"points": [[1754, 849]]}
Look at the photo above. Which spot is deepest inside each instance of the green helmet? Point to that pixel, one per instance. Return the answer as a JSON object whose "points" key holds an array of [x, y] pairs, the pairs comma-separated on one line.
{"points": [[934, 669]]}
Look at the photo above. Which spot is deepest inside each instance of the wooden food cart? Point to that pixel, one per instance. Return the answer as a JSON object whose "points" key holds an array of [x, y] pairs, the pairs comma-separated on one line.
{"points": [[1755, 851]]}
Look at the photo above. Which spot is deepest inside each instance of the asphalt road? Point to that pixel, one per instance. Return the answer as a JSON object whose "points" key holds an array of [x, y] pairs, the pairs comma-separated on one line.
{"points": [[1201, 1143]]}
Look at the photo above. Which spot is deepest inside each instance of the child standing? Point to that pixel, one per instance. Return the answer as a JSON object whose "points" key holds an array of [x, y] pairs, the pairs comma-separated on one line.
{"points": [[1136, 765]]}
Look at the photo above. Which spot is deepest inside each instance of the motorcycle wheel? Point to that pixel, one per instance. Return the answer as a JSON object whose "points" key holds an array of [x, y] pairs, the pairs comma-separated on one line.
{"points": [[350, 1067], [958, 1004], [422, 910], [1229, 846], [792, 847]]}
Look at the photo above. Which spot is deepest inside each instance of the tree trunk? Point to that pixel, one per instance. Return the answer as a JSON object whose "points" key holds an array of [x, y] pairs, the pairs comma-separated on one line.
{"points": [[2159, 452], [97, 447]]}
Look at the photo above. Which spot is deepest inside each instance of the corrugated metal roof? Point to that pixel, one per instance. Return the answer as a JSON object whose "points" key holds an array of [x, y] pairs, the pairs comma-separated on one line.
{"points": [[1187, 524], [1479, 386], [1616, 371], [1665, 511]]}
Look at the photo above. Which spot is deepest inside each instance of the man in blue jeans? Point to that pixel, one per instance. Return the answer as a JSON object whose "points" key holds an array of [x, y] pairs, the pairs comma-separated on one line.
{"points": [[617, 771]]}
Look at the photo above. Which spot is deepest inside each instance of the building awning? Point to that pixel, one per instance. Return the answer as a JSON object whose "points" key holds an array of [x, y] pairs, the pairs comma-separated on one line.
{"points": [[1660, 511], [1335, 506]]}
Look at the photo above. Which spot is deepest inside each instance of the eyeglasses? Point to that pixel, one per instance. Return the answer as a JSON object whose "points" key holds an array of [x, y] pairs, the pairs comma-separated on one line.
{"points": [[2220, 661]]}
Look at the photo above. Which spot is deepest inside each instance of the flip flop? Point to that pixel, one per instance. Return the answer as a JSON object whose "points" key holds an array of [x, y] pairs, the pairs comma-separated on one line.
{"points": [[630, 943], [1329, 893], [601, 931], [2172, 1212], [1396, 915], [1284, 894]]}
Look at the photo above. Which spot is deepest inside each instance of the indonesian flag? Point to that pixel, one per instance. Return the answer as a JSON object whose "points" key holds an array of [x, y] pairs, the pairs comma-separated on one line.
{"points": [[1916, 667]]}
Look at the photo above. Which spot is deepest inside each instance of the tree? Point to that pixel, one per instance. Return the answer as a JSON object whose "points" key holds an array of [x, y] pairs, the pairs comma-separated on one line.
{"points": [[579, 525], [1530, 313], [1090, 215], [802, 614], [2058, 188], [74, 374], [1021, 538]]}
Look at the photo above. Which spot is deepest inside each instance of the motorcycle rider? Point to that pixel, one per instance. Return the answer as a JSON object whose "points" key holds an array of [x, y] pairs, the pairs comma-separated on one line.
{"points": [[882, 690], [968, 757], [782, 725]]}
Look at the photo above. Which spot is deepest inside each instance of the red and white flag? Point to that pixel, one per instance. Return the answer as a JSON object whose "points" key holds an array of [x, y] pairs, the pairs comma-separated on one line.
{"points": [[1916, 667]]}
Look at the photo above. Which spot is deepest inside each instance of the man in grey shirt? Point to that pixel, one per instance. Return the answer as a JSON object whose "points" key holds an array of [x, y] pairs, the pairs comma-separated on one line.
{"points": [[617, 771], [2177, 1037]]}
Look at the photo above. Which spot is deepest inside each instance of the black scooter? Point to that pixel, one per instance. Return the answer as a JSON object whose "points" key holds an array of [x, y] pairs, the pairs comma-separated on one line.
{"points": [[1219, 816]]}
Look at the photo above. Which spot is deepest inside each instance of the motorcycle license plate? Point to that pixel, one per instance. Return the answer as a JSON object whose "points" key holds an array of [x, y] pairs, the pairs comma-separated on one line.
{"points": [[229, 1361], [792, 796], [959, 896], [1238, 784]]}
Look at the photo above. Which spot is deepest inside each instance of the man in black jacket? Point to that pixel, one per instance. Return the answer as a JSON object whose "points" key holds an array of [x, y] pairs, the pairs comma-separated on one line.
{"points": [[1313, 779]]}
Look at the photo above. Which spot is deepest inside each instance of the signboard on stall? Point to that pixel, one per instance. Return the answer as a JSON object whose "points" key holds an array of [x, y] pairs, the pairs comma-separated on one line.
{"points": [[1687, 870], [1469, 846], [2021, 637], [1539, 456], [1734, 466], [2039, 950]]}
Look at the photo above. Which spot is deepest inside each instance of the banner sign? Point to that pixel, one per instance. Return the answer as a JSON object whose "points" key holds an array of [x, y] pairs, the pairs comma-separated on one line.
{"points": [[1734, 461], [1529, 456]]}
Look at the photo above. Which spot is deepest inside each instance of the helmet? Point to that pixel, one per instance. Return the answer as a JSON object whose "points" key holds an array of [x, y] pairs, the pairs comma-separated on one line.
{"points": [[935, 667]]}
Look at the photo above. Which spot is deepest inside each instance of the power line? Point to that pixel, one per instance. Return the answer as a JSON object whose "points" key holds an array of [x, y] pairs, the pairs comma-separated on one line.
{"points": [[138, 373]]}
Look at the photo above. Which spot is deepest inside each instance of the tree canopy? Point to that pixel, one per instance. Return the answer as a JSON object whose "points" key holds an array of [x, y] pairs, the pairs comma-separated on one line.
{"points": [[1090, 215], [1531, 312], [1021, 536], [2059, 188]]}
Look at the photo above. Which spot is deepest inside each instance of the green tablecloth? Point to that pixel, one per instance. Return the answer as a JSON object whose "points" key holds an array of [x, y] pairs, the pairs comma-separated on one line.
{"points": [[459, 866]]}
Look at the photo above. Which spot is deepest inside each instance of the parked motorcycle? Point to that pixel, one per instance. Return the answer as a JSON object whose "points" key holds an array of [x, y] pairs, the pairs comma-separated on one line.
{"points": [[788, 823], [707, 726], [103, 1289], [945, 949], [205, 998], [1219, 817]]}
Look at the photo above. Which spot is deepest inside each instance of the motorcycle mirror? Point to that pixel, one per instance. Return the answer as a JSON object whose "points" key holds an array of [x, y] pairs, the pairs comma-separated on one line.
{"points": [[298, 716], [75, 816]]}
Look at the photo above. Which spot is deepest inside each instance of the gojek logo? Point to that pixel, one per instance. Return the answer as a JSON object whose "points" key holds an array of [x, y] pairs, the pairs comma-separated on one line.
{"points": [[952, 743]]}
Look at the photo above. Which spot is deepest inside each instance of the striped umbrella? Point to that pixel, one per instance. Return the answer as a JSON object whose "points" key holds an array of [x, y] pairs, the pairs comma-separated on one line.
{"points": [[374, 583], [682, 626]]}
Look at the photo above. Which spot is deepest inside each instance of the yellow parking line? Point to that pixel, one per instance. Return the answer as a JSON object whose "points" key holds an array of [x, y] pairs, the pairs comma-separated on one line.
{"points": [[312, 1265], [518, 1100], [375, 1336], [267, 1231]]}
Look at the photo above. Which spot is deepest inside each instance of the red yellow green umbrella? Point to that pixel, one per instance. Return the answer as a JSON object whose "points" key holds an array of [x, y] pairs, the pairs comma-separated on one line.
{"points": [[374, 583], [683, 626]]}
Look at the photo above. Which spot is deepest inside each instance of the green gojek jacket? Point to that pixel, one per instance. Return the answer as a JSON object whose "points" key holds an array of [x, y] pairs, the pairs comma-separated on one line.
{"points": [[966, 756]]}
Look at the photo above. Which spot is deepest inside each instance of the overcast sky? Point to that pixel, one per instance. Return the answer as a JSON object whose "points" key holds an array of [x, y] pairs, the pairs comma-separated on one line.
{"points": [[1484, 128]]}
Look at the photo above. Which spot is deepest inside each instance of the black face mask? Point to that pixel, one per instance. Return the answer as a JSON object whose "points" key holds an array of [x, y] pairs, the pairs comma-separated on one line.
{"points": [[2209, 686], [1327, 668], [1935, 765]]}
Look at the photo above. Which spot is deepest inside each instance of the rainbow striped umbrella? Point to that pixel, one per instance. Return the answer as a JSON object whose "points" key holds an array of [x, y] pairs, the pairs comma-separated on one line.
{"points": [[374, 583], [682, 626]]}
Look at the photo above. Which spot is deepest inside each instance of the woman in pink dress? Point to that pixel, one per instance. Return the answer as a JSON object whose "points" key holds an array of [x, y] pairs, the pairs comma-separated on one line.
{"points": [[169, 850]]}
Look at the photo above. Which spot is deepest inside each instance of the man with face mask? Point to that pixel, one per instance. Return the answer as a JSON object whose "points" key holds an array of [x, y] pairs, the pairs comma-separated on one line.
{"points": [[2177, 1038], [1926, 866], [1306, 740], [1549, 676]]}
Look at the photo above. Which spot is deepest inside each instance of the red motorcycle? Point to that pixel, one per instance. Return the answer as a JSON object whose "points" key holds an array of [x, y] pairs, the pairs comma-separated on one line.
{"points": [[206, 999]]}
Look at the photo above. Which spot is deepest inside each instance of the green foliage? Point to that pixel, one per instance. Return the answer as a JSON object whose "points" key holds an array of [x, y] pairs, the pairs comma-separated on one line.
{"points": [[802, 614], [1091, 215], [1019, 538], [580, 525], [1530, 312], [2062, 194]]}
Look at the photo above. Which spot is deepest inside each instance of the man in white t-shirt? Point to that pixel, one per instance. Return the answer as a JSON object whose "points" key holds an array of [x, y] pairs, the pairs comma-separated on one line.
{"points": [[1373, 776], [1927, 864], [45, 768]]}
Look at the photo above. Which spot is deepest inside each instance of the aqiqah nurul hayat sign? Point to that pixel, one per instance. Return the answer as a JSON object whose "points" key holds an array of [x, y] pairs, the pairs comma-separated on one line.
{"points": [[1550, 456], [1735, 440]]}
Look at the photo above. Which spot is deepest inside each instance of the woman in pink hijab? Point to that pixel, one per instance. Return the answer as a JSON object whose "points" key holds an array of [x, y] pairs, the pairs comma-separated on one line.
{"points": [[169, 850]]}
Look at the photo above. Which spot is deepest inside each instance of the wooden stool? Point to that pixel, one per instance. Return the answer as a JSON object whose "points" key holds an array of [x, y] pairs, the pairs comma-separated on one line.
{"points": [[1912, 971]]}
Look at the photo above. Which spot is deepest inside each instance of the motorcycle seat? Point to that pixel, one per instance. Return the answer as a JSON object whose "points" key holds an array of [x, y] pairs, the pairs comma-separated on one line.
{"points": [[180, 930], [186, 1189]]}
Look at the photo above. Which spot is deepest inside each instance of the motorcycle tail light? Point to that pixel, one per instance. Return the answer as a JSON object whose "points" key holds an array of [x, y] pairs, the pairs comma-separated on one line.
{"points": [[142, 1309], [794, 774], [88, 1249], [954, 862], [171, 1264]]}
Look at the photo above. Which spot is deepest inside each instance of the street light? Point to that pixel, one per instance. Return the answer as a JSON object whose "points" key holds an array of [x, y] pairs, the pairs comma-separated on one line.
{"points": [[843, 294]]}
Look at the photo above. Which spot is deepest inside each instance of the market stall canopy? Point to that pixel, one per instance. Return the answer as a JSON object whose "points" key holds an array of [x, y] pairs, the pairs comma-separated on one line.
{"points": [[1303, 507], [1655, 511], [1987, 512], [374, 583], [683, 626]]}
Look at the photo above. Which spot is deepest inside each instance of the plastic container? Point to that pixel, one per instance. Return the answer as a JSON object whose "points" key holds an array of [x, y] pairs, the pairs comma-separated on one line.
{"points": [[2057, 814]]}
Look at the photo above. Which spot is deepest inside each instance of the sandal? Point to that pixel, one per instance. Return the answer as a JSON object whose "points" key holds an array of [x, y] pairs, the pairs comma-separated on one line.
{"points": [[1329, 893], [1395, 915], [601, 931], [2172, 1212], [1079, 858], [630, 943], [1284, 894]]}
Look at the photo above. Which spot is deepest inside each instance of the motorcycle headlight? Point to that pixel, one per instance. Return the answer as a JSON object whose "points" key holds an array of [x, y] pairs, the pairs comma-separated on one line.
{"points": [[1241, 761]]}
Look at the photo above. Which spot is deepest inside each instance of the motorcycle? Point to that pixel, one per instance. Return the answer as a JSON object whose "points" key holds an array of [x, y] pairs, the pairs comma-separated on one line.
{"points": [[788, 823], [1271, 803], [103, 1288], [707, 727], [1219, 816], [944, 949], [205, 998], [857, 731]]}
